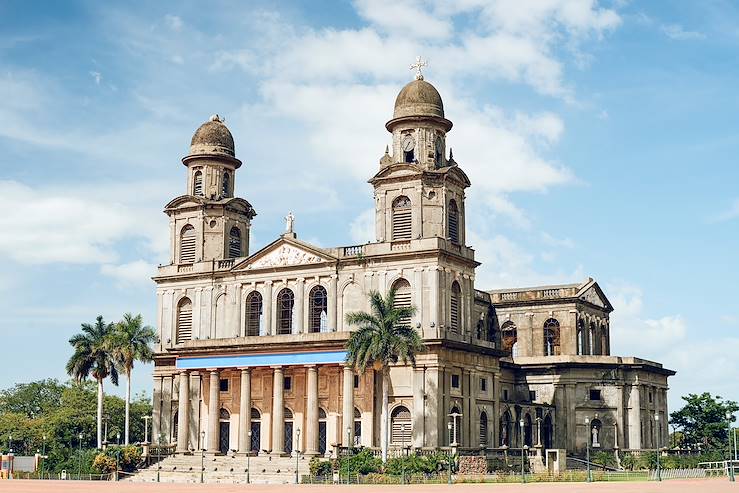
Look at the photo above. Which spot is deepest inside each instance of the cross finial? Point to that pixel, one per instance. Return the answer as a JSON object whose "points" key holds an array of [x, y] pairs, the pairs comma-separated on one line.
{"points": [[418, 65]]}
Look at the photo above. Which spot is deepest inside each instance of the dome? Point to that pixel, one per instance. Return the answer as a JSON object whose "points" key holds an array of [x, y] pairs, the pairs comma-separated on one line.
{"points": [[418, 98], [213, 137]]}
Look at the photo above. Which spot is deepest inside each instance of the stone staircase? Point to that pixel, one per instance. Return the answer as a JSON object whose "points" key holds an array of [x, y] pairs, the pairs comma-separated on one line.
{"points": [[264, 469]]}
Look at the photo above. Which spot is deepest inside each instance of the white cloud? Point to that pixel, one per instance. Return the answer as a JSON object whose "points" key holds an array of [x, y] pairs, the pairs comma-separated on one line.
{"points": [[174, 22], [97, 76], [408, 18], [362, 228], [732, 212], [677, 32], [136, 273]]}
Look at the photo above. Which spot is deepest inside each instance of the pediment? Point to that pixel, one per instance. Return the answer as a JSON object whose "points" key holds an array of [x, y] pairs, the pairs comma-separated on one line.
{"points": [[397, 170], [594, 295], [285, 253], [184, 201]]}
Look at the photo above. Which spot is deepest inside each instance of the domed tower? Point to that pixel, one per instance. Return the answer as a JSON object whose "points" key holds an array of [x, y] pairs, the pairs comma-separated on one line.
{"points": [[419, 191], [209, 223]]}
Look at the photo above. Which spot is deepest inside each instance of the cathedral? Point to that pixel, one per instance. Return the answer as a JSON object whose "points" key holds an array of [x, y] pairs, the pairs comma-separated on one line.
{"points": [[251, 350]]}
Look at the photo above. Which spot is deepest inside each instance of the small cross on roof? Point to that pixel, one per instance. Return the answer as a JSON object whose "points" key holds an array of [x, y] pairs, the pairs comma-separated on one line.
{"points": [[419, 63]]}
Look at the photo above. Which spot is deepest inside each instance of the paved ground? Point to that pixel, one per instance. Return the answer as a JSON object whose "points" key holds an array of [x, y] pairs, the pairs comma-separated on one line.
{"points": [[690, 485]]}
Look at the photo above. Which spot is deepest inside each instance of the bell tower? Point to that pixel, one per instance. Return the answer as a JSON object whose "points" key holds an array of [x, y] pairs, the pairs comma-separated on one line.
{"points": [[208, 222], [419, 191]]}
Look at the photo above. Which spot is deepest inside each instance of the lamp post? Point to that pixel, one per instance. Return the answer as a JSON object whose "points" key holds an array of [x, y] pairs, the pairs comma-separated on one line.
{"points": [[656, 420], [159, 457], [248, 455], [731, 464], [297, 454], [589, 477], [10, 443], [146, 428], [118, 438], [202, 457], [449, 427], [43, 455], [79, 469], [523, 475]]}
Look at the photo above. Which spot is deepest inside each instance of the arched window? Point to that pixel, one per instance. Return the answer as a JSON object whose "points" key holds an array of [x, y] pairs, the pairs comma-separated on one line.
{"points": [[591, 338], [187, 244], [595, 429], [527, 431], [226, 184], [439, 152], [551, 337], [256, 429], [546, 432], [506, 429], [455, 432], [234, 243], [322, 432], [483, 429], [184, 321], [401, 218], [456, 300], [453, 222], [288, 419], [224, 415], [318, 309], [400, 430], [357, 427], [197, 186], [253, 314], [402, 298], [285, 305], [509, 337], [580, 336]]}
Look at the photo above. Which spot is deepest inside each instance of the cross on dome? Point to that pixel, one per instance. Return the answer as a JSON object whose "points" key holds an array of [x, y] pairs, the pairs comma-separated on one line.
{"points": [[417, 66]]}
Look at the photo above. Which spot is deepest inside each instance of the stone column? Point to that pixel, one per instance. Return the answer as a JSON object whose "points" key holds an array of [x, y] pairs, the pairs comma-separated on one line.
{"points": [[474, 416], [278, 411], [347, 408], [311, 423], [183, 412], [299, 325], [245, 411], [214, 409], [634, 417], [419, 411], [434, 300], [496, 410], [332, 299], [268, 309]]}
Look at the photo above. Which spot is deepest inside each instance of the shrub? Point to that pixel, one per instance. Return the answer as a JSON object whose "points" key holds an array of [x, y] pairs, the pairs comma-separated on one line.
{"points": [[104, 464], [603, 458], [320, 467]]}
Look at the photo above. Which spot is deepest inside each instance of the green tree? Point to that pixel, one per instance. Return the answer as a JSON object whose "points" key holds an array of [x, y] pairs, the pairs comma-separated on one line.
{"points": [[32, 399], [92, 356], [383, 338], [131, 342], [703, 422]]}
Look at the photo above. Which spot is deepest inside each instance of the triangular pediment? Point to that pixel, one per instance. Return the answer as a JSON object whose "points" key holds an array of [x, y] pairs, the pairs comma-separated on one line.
{"points": [[285, 252], [593, 294], [397, 170]]}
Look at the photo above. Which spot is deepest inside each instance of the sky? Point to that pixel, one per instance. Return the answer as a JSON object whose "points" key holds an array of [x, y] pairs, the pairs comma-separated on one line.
{"points": [[600, 138]]}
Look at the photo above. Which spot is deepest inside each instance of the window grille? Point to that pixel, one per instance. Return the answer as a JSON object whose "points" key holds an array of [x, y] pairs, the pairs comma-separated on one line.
{"points": [[285, 305], [453, 222], [253, 313], [402, 215], [198, 185], [454, 308], [184, 321], [187, 245], [483, 429], [551, 337], [402, 298], [234, 243], [318, 309]]}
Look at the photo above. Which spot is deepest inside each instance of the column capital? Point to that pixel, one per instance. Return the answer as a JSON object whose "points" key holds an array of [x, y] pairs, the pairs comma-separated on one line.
{"points": [[276, 367], [245, 370], [311, 366]]}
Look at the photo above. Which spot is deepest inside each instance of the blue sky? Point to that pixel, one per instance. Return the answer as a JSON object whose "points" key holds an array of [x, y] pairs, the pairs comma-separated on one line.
{"points": [[601, 139]]}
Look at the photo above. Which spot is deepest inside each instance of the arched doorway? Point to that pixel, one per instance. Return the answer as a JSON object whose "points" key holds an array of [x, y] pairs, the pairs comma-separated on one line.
{"points": [[321, 431], [288, 431], [400, 426], [256, 430], [527, 431], [546, 432], [506, 425], [224, 430], [357, 427]]}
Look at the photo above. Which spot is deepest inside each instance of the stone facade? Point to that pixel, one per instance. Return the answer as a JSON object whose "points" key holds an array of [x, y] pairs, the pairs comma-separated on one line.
{"points": [[251, 345]]}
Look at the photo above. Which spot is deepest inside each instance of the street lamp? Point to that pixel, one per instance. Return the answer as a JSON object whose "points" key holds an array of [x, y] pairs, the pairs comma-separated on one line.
{"points": [[118, 438], [202, 457], [159, 457], [297, 455], [589, 477], [656, 420], [523, 475], [449, 427], [79, 470], [43, 455], [248, 454], [10, 443], [731, 463]]}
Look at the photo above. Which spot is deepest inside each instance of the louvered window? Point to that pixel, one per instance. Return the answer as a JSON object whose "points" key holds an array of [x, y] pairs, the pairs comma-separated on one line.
{"points": [[318, 309], [226, 184], [253, 313], [402, 218], [198, 184], [184, 321], [187, 245], [453, 222], [400, 433], [285, 305], [483, 429], [454, 306], [551, 337], [234, 243], [402, 298]]}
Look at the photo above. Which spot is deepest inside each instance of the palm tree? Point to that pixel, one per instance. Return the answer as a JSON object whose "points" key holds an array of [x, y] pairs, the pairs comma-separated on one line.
{"points": [[130, 342], [382, 339], [92, 356]]}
